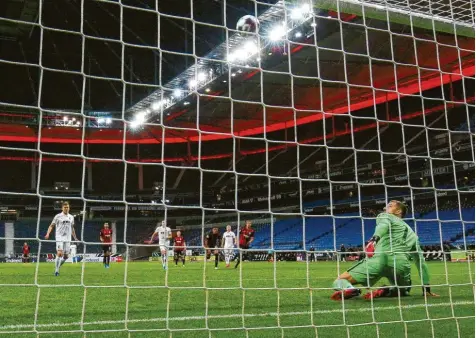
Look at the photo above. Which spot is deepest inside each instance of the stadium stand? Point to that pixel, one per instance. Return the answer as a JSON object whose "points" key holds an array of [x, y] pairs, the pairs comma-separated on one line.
{"points": [[350, 230]]}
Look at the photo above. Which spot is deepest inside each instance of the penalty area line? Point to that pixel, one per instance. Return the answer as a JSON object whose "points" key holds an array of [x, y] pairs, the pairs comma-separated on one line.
{"points": [[246, 315]]}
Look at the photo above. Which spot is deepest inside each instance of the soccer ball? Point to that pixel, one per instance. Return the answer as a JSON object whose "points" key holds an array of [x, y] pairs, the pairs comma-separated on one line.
{"points": [[248, 23]]}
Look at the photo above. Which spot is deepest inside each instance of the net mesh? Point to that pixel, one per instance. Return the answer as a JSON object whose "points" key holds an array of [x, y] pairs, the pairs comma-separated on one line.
{"points": [[139, 111]]}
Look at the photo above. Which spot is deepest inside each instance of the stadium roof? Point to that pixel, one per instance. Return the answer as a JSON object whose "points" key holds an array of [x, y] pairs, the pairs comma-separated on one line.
{"points": [[337, 77], [335, 66]]}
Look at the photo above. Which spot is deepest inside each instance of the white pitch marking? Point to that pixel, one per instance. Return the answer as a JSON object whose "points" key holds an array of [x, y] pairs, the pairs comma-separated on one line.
{"points": [[247, 315]]}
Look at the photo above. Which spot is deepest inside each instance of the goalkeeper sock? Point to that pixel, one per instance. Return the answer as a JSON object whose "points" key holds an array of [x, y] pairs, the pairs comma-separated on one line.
{"points": [[342, 284], [216, 260]]}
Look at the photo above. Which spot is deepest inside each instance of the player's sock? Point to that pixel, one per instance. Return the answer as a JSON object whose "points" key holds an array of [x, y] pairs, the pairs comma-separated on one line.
{"points": [[237, 262], [342, 284], [108, 259], [164, 260], [216, 260], [57, 263], [63, 260], [183, 261]]}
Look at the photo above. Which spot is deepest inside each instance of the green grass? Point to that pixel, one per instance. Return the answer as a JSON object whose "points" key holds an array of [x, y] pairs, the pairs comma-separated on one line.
{"points": [[192, 303]]}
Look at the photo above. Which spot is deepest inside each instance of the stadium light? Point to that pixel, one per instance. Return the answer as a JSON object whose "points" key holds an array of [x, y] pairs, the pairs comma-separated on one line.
{"points": [[251, 47], [201, 76], [135, 124], [298, 35], [244, 52], [231, 57], [299, 13], [236, 55], [177, 93], [192, 83], [277, 32], [141, 116], [101, 120], [241, 54], [158, 104], [108, 120], [139, 119], [65, 118]]}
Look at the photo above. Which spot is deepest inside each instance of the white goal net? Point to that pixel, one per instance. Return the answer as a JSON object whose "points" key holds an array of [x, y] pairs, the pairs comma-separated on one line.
{"points": [[292, 122]]}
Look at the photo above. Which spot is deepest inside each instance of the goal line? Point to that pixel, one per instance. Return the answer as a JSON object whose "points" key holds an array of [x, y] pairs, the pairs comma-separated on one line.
{"points": [[246, 315]]}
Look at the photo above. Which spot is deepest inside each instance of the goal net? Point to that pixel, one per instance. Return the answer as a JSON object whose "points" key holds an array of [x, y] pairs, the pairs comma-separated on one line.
{"points": [[303, 119]]}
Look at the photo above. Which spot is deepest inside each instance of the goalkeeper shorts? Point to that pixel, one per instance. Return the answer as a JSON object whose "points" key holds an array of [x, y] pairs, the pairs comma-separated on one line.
{"points": [[396, 268]]}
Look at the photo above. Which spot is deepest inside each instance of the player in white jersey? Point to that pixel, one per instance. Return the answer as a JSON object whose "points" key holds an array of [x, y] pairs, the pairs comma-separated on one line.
{"points": [[228, 244], [64, 223], [165, 234], [73, 253]]}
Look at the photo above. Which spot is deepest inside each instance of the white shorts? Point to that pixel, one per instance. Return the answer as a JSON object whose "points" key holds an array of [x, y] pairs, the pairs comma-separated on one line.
{"points": [[163, 247], [64, 246], [228, 251]]}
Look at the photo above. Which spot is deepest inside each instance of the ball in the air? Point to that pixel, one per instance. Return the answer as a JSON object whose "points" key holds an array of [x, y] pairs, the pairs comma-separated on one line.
{"points": [[248, 23]]}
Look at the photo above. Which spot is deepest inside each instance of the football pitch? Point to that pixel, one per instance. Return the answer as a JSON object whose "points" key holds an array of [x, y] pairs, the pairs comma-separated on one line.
{"points": [[259, 299]]}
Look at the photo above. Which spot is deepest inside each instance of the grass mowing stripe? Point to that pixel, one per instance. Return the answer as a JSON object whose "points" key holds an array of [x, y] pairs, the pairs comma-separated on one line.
{"points": [[270, 314]]}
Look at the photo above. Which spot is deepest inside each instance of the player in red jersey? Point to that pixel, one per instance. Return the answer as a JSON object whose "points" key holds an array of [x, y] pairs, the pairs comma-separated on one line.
{"points": [[26, 253], [179, 248], [105, 236], [213, 241], [247, 236]]}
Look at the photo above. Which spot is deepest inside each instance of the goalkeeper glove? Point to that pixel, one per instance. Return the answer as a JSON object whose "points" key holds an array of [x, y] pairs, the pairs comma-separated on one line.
{"points": [[370, 247]]}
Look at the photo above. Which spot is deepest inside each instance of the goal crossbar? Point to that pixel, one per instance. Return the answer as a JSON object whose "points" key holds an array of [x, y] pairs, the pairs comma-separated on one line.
{"points": [[382, 10]]}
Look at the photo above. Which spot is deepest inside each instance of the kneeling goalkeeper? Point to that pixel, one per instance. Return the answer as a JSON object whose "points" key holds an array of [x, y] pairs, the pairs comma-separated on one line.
{"points": [[390, 244]]}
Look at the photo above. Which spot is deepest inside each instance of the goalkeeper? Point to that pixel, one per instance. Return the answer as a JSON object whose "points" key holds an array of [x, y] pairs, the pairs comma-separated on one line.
{"points": [[391, 242], [416, 255]]}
